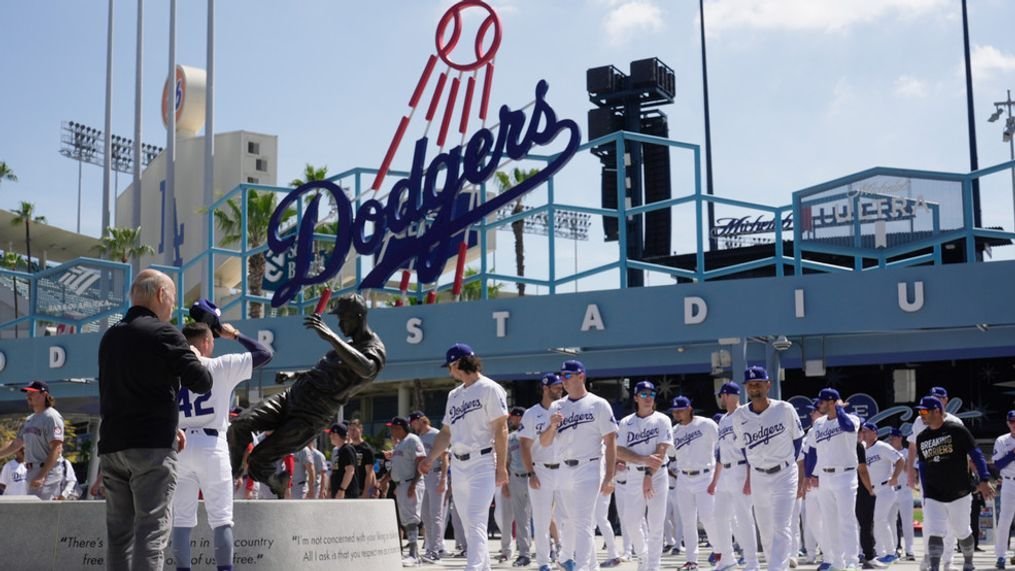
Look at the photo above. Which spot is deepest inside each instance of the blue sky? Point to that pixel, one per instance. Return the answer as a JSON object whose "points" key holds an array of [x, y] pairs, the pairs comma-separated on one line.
{"points": [[802, 91]]}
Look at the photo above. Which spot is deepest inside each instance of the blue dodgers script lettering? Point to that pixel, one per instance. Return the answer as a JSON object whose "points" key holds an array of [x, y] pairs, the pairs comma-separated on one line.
{"points": [[828, 433], [727, 431], [643, 436], [575, 419], [763, 435], [419, 225], [459, 412], [681, 441]]}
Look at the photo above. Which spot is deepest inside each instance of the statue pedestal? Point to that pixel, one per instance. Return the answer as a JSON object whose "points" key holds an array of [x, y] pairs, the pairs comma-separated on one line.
{"points": [[268, 534]]}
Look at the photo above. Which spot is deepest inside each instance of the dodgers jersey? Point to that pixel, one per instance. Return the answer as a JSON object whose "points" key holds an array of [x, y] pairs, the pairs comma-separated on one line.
{"points": [[836, 448], [211, 410], [586, 421], [1002, 446], [534, 422], [729, 447], [768, 437], [642, 435], [470, 411], [695, 442], [881, 459]]}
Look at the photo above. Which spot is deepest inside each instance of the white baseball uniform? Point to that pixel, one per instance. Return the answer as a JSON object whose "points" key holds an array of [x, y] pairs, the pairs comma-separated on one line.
{"points": [[602, 521], [835, 443], [732, 507], [771, 439], [694, 444], [813, 528], [204, 462], [546, 463], [902, 510], [580, 439], [1004, 453], [13, 477], [470, 410], [674, 530], [881, 462], [642, 436]]}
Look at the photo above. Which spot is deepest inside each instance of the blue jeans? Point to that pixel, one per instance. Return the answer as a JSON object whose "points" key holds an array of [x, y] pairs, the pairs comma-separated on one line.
{"points": [[139, 483]]}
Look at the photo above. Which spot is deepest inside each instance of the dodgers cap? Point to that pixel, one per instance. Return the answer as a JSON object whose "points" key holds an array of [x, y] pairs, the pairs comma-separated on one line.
{"points": [[730, 388], [204, 311], [929, 403], [680, 403], [456, 352], [939, 392], [550, 379], [644, 386], [572, 366], [755, 374], [828, 393]]}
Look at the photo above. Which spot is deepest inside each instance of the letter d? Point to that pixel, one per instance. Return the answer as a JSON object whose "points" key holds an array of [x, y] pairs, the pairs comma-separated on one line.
{"points": [[695, 310]]}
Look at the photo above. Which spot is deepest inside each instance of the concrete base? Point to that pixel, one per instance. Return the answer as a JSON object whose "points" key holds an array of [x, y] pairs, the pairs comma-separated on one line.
{"points": [[269, 534]]}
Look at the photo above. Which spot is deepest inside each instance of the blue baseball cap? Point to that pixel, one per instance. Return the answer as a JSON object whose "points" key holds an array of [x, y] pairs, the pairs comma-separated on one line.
{"points": [[680, 403], [550, 379], [929, 403], [828, 393], [896, 432], [517, 411], [755, 374], [644, 386], [204, 311], [717, 417], [939, 392], [1011, 415], [572, 366], [416, 415], [869, 426], [730, 388], [456, 352]]}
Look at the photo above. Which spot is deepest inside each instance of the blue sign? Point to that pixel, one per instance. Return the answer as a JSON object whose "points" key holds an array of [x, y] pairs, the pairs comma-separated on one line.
{"points": [[422, 223]]}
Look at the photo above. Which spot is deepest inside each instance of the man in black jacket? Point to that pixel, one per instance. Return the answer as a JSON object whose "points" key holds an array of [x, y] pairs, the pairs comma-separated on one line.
{"points": [[303, 410], [143, 362]]}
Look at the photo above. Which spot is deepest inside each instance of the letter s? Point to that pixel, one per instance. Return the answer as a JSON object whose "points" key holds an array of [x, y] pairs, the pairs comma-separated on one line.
{"points": [[415, 330]]}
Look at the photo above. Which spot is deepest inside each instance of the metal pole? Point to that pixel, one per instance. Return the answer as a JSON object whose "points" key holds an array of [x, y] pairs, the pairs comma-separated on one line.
{"points": [[713, 242], [79, 193], [209, 121], [974, 163], [169, 221], [107, 143], [1011, 149], [135, 218]]}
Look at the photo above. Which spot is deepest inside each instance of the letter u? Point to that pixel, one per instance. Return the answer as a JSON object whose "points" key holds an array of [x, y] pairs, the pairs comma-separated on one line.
{"points": [[917, 303]]}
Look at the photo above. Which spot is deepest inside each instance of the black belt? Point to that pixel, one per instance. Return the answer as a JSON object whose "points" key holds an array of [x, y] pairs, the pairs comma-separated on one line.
{"points": [[641, 468], [1008, 477], [464, 457], [772, 470], [521, 475], [885, 483], [834, 470], [695, 472], [208, 431], [551, 466], [572, 463], [621, 482], [731, 464]]}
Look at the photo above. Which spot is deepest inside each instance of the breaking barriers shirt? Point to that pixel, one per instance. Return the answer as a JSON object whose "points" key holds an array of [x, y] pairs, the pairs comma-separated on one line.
{"points": [[943, 455]]}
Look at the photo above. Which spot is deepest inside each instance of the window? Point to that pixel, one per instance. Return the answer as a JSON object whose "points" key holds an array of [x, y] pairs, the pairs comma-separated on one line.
{"points": [[253, 148], [261, 165], [253, 180]]}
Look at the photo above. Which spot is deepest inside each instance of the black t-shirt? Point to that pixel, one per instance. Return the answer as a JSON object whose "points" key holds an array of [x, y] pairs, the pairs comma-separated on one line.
{"points": [[943, 454], [365, 456], [346, 457]]}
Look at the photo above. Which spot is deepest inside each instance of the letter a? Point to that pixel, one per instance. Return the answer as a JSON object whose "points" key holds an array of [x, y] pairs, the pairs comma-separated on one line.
{"points": [[593, 319], [917, 303]]}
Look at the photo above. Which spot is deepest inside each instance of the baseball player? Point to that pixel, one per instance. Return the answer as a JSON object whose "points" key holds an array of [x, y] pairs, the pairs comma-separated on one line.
{"points": [[771, 434], [732, 507], [304, 476], [405, 459], [834, 446], [644, 438], [812, 508], [41, 437], [13, 477], [204, 463], [694, 440], [436, 493], [475, 427], [674, 529], [321, 471], [943, 448], [884, 464], [543, 462], [514, 499], [941, 394], [902, 509], [1004, 461], [583, 426]]}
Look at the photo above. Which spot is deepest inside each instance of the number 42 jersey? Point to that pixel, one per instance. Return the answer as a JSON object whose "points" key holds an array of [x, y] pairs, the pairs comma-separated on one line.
{"points": [[211, 410]]}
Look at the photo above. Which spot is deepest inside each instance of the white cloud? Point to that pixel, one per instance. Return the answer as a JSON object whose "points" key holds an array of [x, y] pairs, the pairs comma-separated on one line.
{"points": [[842, 97], [810, 15], [631, 17], [910, 87], [988, 61]]}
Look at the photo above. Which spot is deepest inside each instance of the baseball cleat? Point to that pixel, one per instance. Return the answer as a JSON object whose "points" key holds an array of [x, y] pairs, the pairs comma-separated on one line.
{"points": [[522, 561], [615, 562], [569, 565]]}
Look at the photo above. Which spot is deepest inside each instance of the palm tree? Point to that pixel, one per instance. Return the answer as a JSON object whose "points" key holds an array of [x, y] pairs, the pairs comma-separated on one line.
{"points": [[260, 206], [310, 173], [6, 173], [123, 244], [26, 215], [504, 183]]}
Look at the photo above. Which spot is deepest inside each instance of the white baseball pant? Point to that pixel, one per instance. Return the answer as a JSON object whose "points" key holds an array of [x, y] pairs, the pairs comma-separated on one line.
{"points": [[578, 485], [605, 529], [733, 517], [841, 534], [433, 513], [1004, 518], [646, 535], [796, 528], [473, 486], [204, 467], [772, 496], [812, 525], [949, 520], [903, 509], [542, 501], [694, 503], [674, 529], [618, 497], [884, 524]]}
